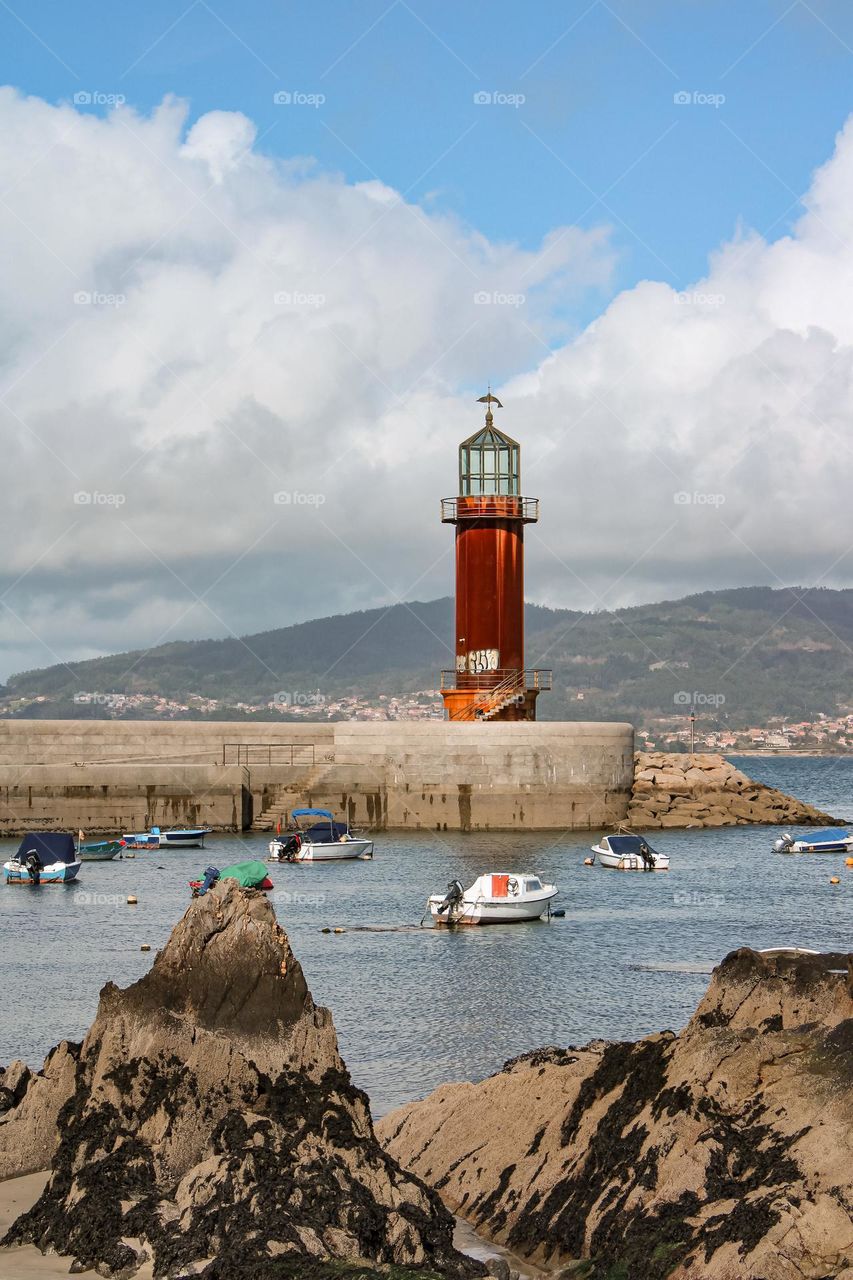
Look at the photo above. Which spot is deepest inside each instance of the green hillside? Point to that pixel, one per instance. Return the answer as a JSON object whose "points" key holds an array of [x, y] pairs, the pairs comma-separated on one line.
{"points": [[742, 656]]}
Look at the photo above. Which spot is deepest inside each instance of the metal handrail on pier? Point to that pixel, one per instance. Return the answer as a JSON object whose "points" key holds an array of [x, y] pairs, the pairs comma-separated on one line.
{"points": [[291, 754]]}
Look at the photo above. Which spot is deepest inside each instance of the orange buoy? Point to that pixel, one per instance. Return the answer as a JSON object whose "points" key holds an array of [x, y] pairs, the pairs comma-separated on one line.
{"points": [[834, 880], [587, 862], [848, 862]]}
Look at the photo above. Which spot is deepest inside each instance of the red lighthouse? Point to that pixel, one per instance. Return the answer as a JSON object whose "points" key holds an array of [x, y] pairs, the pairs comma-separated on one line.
{"points": [[489, 682]]}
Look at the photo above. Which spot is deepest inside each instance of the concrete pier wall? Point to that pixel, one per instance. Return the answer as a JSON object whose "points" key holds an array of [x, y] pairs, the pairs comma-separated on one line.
{"points": [[121, 775]]}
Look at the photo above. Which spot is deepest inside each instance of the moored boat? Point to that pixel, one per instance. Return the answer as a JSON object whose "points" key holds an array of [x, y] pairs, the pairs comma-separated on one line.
{"points": [[829, 840], [324, 841], [99, 851], [43, 857], [628, 852], [493, 898], [175, 838]]}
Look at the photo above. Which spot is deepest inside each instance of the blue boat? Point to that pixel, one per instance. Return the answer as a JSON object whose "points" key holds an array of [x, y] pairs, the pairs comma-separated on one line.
{"points": [[829, 840], [44, 857], [176, 838]]}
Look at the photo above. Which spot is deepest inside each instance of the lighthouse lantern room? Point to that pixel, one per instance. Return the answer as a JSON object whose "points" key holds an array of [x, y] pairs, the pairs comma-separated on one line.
{"points": [[489, 681]]}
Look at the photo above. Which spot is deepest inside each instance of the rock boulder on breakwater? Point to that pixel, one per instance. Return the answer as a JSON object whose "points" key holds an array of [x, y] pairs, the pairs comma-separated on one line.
{"points": [[680, 790], [208, 1122], [722, 1153]]}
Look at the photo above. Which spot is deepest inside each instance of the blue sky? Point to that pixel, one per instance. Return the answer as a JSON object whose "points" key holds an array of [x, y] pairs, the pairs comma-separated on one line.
{"points": [[598, 139]]}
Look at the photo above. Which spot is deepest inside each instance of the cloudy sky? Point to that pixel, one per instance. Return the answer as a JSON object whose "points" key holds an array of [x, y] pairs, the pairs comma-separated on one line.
{"points": [[257, 268]]}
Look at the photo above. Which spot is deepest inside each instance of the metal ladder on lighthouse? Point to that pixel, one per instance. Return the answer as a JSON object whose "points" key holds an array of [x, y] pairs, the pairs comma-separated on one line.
{"points": [[486, 705]]}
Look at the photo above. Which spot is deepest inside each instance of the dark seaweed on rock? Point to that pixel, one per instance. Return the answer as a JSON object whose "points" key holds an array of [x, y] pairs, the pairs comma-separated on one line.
{"points": [[215, 1129]]}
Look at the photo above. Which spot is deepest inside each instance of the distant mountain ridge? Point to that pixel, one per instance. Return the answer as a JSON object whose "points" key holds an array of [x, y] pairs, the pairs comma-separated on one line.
{"points": [[738, 655]]}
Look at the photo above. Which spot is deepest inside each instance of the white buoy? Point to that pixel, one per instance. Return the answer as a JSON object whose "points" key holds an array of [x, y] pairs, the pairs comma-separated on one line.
{"points": [[131, 900]]}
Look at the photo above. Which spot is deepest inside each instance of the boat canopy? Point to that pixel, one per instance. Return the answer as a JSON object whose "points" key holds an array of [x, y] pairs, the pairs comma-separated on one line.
{"points": [[829, 835], [312, 813], [51, 846], [626, 844]]}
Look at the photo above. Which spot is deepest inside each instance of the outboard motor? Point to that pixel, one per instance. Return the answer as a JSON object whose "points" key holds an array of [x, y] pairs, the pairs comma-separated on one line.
{"points": [[33, 864], [648, 857], [784, 843], [211, 875], [453, 897], [290, 848]]}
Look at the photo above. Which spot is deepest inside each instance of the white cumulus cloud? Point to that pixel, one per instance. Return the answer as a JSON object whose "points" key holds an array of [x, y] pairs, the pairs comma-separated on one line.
{"points": [[191, 327]]}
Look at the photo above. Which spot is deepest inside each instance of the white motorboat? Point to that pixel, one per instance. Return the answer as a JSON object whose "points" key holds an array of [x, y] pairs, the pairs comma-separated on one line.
{"points": [[830, 840], [325, 841], [629, 853], [494, 898]]}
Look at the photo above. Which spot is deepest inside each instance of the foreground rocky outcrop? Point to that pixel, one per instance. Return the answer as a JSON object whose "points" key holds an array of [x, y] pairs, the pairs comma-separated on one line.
{"points": [[723, 1153], [209, 1123], [679, 790]]}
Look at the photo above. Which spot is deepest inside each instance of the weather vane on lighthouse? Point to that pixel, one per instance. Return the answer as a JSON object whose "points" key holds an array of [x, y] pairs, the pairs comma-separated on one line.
{"points": [[489, 681]]}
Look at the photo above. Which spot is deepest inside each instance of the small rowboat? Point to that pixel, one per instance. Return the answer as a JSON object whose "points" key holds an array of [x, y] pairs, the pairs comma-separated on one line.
{"points": [[495, 898], [830, 840], [628, 853], [101, 851], [43, 857]]}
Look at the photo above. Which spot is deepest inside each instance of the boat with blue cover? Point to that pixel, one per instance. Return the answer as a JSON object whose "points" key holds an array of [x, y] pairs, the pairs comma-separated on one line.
{"points": [[323, 841], [43, 857], [829, 840]]}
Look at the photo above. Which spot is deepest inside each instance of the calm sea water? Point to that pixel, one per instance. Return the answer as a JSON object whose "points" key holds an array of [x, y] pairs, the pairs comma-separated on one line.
{"points": [[417, 1007]]}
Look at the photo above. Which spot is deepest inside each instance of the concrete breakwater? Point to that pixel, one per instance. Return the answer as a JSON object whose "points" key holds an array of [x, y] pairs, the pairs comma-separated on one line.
{"points": [[707, 791], [127, 775]]}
